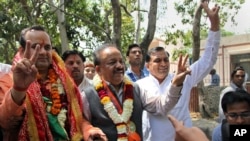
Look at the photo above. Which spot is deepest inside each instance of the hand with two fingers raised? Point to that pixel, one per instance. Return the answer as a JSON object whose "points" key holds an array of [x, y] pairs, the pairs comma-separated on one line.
{"points": [[24, 73], [182, 71], [213, 15]]}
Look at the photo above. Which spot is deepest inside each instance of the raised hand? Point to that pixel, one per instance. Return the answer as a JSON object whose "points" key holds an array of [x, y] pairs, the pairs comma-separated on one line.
{"points": [[24, 72], [213, 15], [182, 71]]}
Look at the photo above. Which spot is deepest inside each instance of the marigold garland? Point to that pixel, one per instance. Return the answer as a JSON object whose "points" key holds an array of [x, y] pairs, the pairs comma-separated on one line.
{"points": [[54, 93], [122, 121]]}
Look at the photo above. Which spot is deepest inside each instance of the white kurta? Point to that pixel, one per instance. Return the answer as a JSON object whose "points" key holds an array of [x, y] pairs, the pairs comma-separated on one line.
{"points": [[85, 84], [159, 128]]}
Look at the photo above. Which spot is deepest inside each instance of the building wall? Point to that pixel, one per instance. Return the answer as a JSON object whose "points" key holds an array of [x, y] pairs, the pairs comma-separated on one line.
{"points": [[230, 46]]}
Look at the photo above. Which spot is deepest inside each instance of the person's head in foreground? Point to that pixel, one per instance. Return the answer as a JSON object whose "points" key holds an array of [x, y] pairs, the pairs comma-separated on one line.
{"points": [[109, 64], [236, 107]]}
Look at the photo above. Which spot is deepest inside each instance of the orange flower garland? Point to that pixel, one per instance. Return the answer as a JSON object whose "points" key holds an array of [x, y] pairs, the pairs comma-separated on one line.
{"points": [[54, 93], [55, 97]]}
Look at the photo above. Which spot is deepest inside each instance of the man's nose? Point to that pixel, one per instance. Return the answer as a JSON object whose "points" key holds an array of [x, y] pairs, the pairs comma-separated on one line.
{"points": [[239, 120], [119, 64], [163, 62], [75, 65], [42, 50]]}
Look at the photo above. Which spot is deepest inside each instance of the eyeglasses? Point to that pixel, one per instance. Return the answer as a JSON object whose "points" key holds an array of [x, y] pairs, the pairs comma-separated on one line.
{"points": [[243, 76], [234, 116]]}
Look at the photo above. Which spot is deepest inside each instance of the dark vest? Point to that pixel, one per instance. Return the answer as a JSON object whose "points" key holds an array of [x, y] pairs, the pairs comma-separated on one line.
{"points": [[100, 118], [1, 135]]}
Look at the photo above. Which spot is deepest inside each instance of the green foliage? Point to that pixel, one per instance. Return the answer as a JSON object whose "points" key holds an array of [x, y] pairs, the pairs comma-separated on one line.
{"points": [[11, 23], [16, 15], [181, 51], [186, 40], [128, 33], [225, 33], [85, 22]]}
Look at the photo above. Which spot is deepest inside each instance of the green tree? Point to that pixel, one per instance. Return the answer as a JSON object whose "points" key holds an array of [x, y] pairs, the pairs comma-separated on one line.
{"points": [[78, 24], [16, 15]]}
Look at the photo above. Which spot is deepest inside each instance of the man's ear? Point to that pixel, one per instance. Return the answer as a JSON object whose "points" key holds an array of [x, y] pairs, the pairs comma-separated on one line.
{"points": [[147, 65], [97, 69]]}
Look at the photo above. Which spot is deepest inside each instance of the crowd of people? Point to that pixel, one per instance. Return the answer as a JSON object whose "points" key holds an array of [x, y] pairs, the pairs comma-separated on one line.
{"points": [[45, 96]]}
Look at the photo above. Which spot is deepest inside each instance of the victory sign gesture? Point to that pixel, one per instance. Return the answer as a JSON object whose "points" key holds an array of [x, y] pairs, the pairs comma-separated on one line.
{"points": [[182, 71], [24, 72], [213, 15]]}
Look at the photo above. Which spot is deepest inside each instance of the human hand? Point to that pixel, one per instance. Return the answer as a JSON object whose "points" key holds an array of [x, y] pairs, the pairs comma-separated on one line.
{"points": [[212, 15], [186, 134], [182, 71], [24, 71], [96, 134]]}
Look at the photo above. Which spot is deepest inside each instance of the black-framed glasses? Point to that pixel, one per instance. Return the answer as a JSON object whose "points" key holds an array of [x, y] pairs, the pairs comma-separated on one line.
{"points": [[234, 116]]}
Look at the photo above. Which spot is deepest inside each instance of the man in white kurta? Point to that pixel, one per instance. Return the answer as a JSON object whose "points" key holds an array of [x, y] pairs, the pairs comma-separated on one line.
{"points": [[153, 129]]}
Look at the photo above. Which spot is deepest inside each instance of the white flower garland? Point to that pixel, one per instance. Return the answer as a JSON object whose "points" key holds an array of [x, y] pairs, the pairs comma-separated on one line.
{"points": [[121, 120]]}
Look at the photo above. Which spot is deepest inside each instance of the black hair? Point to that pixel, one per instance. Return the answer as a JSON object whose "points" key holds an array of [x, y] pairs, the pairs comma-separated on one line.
{"points": [[213, 71], [153, 50], [22, 40], [236, 69], [131, 46], [67, 53], [96, 53], [234, 97]]}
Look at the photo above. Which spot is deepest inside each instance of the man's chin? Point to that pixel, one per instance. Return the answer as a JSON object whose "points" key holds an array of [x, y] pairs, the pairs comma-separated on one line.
{"points": [[42, 65], [118, 77], [117, 82]]}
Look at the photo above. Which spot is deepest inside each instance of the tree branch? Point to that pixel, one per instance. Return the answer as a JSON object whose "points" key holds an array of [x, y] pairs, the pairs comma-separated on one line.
{"points": [[126, 10]]}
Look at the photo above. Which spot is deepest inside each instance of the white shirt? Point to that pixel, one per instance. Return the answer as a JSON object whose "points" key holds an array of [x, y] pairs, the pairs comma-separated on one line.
{"points": [[159, 128], [4, 68], [82, 87], [85, 84]]}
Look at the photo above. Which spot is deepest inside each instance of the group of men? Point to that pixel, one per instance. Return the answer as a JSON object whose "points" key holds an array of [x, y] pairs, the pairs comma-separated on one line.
{"points": [[43, 103], [47, 97]]}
